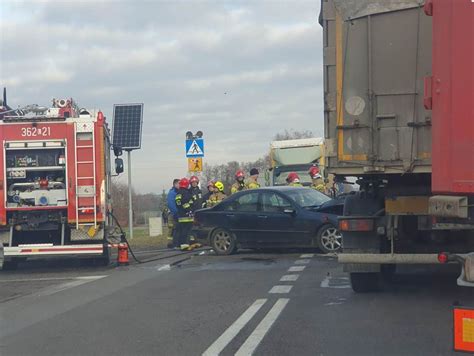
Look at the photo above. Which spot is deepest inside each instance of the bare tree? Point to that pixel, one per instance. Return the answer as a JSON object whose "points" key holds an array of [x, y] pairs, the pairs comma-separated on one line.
{"points": [[292, 135], [119, 200], [141, 203], [226, 172]]}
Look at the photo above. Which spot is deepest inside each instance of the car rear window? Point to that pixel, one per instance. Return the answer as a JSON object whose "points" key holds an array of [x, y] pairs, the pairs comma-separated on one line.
{"points": [[245, 202], [272, 202]]}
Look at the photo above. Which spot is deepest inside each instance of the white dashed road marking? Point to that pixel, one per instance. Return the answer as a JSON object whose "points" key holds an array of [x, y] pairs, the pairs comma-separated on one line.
{"points": [[296, 268], [301, 262], [164, 268], [259, 333], [252, 342], [234, 329], [289, 278], [280, 289]]}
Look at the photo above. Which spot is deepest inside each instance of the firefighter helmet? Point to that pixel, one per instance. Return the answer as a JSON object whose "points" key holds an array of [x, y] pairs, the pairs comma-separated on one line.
{"points": [[314, 172], [184, 183], [194, 179], [239, 174], [293, 177], [210, 183], [219, 186]]}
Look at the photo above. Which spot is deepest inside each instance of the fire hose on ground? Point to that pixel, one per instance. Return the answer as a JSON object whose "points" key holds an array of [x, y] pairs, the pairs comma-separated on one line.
{"points": [[123, 240]]}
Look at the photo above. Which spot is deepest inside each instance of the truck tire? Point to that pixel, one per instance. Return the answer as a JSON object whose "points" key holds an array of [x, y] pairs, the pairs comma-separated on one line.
{"points": [[104, 260], [365, 282]]}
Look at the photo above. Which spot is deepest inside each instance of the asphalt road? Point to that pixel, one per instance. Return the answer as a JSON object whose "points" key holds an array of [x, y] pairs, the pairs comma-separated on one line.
{"points": [[296, 303]]}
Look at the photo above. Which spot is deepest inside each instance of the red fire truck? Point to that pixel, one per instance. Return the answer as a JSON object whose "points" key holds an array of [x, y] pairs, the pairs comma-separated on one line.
{"points": [[54, 182]]}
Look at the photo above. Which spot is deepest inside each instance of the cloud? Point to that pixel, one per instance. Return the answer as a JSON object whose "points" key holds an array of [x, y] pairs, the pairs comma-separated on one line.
{"points": [[240, 71]]}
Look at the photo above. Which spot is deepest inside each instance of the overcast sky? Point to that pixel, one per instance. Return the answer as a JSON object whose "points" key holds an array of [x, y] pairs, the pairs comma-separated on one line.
{"points": [[240, 71]]}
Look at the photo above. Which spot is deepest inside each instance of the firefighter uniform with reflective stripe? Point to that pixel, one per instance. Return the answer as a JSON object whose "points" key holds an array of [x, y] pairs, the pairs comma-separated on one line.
{"points": [[196, 193], [237, 187], [318, 184], [215, 198], [295, 184], [252, 184], [184, 202]]}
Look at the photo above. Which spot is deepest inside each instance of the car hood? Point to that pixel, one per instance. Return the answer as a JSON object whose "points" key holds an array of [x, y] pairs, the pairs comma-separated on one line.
{"points": [[333, 206]]}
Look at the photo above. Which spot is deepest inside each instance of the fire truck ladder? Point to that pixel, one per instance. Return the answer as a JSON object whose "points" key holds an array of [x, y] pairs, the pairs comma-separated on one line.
{"points": [[83, 192]]}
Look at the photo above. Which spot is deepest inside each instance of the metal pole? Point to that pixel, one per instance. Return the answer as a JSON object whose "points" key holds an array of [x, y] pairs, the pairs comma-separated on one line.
{"points": [[130, 208]]}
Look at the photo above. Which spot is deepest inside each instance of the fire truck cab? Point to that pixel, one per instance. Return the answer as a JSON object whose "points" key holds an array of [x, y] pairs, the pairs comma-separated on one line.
{"points": [[54, 182]]}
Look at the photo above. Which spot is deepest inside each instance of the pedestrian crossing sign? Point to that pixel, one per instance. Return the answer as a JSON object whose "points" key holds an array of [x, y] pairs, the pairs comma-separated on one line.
{"points": [[195, 147], [195, 164]]}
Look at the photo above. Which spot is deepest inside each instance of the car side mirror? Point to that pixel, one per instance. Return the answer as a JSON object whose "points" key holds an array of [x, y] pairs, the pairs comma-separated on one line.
{"points": [[289, 211], [118, 165]]}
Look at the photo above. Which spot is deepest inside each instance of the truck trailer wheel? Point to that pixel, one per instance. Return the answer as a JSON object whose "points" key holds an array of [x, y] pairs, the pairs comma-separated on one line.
{"points": [[365, 282]]}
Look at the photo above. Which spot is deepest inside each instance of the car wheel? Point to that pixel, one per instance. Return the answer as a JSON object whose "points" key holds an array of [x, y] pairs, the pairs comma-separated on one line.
{"points": [[223, 242], [329, 239]]}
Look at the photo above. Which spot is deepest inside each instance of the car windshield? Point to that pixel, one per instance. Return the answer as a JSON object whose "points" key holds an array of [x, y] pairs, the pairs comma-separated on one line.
{"points": [[307, 198]]}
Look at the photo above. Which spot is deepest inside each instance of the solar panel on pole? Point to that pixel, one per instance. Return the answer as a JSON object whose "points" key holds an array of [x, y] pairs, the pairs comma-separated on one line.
{"points": [[127, 126], [127, 134]]}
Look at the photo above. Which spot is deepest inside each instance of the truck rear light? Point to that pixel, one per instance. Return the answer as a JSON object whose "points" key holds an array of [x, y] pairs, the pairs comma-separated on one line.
{"points": [[443, 257], [356, 225]]}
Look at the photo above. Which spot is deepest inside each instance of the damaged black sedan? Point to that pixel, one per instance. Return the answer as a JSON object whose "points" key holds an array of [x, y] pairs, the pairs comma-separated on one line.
{"points": [[273, 217]]}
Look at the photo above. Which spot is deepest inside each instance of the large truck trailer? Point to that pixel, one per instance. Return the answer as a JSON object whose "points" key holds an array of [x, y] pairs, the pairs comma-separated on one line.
{"points": [[399, 116], [54, 182]]}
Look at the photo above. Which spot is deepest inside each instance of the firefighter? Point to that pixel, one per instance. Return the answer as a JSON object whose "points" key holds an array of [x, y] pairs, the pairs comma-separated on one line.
{"points": [[184, 203], [195, 192], [318, 182], [217, 195], [252, 180], [293, 180], [210, 190], [240, 183]]}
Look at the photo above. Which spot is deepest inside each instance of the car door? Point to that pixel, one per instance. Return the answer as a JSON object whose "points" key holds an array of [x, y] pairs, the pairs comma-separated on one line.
{"points": [[279, 221], [241, 215]]}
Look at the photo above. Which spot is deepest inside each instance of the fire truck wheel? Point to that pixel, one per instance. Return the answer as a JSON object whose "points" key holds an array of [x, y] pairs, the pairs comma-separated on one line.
{"points": [[105, 259]]}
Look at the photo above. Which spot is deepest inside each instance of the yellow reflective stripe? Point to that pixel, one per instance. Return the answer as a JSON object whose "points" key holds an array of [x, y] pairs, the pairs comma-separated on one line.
{"points": [[187, 205], [185, 219]]}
